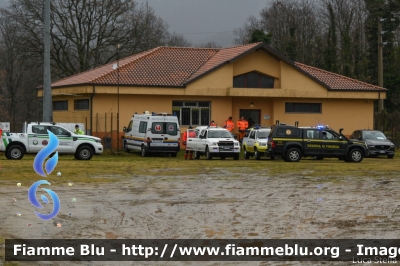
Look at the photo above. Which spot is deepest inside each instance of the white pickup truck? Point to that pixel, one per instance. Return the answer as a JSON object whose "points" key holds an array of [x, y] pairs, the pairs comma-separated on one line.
{"points": [[35, 138], [213, 142]]}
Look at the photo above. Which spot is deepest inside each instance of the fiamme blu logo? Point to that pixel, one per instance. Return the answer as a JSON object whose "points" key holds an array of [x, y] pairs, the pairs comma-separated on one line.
{"points": [[44, 169]]}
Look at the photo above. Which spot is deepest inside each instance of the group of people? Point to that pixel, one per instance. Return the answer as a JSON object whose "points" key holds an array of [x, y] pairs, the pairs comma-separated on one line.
{"points": [[242, 124]]}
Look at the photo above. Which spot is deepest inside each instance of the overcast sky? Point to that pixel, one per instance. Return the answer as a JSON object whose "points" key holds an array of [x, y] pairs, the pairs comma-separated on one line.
{"points": [[203, 21]]}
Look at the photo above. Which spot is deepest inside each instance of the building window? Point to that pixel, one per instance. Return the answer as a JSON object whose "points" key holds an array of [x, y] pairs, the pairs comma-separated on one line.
{"points": [[303, 107], [81, 104], [192, 113], [60, 105], [253, 80]]}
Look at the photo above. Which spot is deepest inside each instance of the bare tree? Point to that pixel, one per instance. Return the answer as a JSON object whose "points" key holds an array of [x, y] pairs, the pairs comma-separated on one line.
{"points": [[18, 74], [85, 33], [243, 35], [175, 39], [209, 45]]}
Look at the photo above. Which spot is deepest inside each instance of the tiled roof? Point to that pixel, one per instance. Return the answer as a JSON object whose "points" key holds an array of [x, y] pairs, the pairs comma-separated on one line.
{"points": [[221, 57], [178, 66], [337, 82]]}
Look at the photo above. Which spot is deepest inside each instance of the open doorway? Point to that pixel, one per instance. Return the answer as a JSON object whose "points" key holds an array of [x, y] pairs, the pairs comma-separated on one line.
{"points": [[252, 116]]}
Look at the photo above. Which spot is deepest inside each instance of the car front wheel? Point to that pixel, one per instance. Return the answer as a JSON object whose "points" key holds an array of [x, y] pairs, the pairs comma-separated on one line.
{"points": [[84, 153], [257, 154], [208, 154], [356, 155], [126, 146]]}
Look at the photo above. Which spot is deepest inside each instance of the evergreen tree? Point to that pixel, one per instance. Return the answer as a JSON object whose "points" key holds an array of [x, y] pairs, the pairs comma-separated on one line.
{"points": [[330, 53], [292, 44], [260, 36]]}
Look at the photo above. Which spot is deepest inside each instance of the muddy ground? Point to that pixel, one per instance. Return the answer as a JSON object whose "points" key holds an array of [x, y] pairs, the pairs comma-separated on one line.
{"points": [[221, 205]]}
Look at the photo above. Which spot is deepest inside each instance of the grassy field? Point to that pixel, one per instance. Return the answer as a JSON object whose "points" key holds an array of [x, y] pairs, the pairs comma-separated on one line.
{"points": [[113, 168], [110, 167]]}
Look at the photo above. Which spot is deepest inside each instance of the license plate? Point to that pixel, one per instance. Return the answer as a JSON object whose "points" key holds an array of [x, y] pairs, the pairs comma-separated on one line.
{"points": [[382, 151], [157, 140]]}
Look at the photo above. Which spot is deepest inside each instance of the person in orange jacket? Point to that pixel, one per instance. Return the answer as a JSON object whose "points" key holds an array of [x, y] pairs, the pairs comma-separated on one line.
{"points": [[213, 124], [242, 124], [229, 124], [187, 135]]}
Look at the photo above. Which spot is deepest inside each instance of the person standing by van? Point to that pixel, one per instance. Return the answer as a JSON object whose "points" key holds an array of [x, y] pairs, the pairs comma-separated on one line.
{"points": [[213, 124], [188, 134]]}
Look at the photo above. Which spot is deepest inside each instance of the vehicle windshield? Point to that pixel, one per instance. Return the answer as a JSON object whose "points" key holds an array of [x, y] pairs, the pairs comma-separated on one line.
{"points": [[262, 134], [219, 134], [374, 135]]}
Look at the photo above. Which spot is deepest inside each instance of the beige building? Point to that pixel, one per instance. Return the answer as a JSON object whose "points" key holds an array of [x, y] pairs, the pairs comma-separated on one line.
{"points": [[204, 84]]}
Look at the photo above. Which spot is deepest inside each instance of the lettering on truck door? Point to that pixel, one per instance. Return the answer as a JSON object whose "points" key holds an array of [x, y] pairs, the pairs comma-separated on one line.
{"points": [[312, 142], [39, 138], [332, 143]]}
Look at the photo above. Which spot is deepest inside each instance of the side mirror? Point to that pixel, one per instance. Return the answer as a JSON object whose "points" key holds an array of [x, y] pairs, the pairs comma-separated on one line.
{"points": [[340, 138], [69, 134], [124, 129]]}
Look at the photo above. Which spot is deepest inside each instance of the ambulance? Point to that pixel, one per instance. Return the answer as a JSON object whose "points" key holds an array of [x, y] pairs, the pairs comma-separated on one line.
{"points": [[152, 133]]}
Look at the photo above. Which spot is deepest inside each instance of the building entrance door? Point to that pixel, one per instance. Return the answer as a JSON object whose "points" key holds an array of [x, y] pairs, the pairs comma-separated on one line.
{"points": [[252, 116]]}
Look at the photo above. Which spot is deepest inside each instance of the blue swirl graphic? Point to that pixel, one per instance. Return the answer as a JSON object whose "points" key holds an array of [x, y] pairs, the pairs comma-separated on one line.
{"points": [[45, 199], [32, 198], [44, 153]]}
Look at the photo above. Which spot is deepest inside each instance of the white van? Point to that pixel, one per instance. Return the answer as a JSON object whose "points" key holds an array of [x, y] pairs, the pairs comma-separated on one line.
{"points": [[152, 133]]}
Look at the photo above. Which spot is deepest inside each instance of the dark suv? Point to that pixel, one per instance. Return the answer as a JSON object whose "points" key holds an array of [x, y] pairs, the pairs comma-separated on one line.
{"points": [[292, 143], [376, 141]]}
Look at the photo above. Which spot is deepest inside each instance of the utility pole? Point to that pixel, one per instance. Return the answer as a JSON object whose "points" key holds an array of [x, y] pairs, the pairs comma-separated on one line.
{"points": [[47, 101], [118, 117], [380, 62]]}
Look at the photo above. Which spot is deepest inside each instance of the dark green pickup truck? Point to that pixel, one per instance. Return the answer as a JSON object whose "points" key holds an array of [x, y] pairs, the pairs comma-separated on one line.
{"points": [[292, 143]]}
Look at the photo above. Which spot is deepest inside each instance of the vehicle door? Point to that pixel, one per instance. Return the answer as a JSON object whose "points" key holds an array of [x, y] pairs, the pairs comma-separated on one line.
{"points": [[157, 133], [334, 144], [251, 141], [129, 135], [66, 141], [245, 141], [312, 142], [191, 143], [39, 138], [202, 140], [171, 138]]}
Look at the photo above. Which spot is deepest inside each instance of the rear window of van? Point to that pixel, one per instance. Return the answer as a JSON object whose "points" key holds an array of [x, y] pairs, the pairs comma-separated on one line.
{"points": [[164, 128]]}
